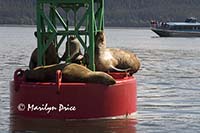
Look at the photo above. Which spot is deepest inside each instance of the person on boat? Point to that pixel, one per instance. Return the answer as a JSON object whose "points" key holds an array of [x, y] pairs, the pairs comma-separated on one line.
{"points": [[154, 23]]}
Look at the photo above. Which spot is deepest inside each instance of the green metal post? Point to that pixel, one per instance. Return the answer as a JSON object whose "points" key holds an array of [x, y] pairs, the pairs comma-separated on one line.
{"points": [[92, 20], [39, 36], [91, 36]]}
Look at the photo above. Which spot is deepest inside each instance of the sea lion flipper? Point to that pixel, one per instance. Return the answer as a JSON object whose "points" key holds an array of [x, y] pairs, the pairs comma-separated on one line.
{"points": [[119, 70]]}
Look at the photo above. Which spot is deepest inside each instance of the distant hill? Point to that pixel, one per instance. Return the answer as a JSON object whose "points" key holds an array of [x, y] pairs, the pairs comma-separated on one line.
{"points": [[117, 12], [17, 11]]}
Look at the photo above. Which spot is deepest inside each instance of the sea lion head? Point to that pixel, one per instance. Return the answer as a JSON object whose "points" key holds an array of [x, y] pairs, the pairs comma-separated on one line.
{"points": [[72, 48], [45, 37], [72, 37], [100, 40], [31, 75], [101, 78]]}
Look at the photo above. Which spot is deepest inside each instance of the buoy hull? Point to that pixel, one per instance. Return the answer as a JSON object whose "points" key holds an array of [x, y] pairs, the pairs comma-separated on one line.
{"points": [[73, 100]]}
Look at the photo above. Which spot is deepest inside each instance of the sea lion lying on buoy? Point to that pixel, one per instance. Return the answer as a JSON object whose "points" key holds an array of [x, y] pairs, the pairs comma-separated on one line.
{"points": [[70, 73], [79, 73], [43, 73], [51, 56], [74, 49], [113, 59]]}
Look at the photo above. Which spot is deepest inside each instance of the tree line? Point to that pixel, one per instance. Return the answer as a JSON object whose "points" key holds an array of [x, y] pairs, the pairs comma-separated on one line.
{"points": [[117, 12]]}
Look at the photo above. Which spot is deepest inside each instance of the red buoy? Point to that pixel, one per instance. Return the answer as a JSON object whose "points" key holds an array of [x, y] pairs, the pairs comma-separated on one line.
{"points": [[72, 100]]}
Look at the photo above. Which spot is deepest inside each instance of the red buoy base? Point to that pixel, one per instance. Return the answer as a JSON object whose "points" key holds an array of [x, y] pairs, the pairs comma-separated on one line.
{"points": [[73, 100]]}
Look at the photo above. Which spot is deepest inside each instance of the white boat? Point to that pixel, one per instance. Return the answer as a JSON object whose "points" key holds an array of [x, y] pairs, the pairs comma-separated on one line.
{"points": [[189, 28]]}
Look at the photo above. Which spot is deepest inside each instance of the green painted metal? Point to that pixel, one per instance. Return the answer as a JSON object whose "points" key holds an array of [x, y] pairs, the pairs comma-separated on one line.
{"points": [[88, 20]]}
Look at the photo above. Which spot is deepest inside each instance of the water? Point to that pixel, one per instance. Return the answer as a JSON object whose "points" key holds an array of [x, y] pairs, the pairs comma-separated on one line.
{"points": [[168, 84]]}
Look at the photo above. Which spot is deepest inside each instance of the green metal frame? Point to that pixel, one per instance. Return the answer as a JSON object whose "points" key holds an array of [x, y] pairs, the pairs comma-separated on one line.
{"points": [[92, 20]]}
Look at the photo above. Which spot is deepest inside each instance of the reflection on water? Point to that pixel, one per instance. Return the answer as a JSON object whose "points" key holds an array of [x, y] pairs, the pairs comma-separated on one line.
{"points": [[20, 125]]}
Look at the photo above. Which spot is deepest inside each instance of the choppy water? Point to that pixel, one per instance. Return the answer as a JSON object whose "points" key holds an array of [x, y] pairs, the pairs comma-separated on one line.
{"points": [[168, 84]]}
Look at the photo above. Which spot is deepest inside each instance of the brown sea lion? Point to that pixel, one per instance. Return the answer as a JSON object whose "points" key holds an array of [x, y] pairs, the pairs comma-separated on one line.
{"points": [[74, 49], [43, 73], [51, 56], [113, 59], [79, 73], [70, 73]]}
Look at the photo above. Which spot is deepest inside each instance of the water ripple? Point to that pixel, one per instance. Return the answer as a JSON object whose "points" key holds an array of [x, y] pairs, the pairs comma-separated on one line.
{"points": [[168, 83]]}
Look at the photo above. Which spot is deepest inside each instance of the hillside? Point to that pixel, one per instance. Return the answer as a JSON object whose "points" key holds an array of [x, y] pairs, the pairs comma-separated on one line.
{"points": [[117, 12]]}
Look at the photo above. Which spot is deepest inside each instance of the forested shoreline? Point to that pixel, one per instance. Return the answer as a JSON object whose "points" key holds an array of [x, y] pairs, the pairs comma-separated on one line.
{"points": [[126, 13]]}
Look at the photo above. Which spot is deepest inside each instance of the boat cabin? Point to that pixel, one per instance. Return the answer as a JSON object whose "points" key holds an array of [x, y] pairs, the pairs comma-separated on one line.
{"points": [[188, 25]]}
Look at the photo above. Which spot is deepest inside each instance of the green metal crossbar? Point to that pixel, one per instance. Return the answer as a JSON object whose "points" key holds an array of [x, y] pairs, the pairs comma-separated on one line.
{"points": [[49, 19]]}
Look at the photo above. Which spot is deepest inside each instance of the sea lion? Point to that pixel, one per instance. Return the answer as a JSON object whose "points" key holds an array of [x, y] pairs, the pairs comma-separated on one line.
{"points": [[51, 56], [43, 73], [113, 59], [70, 73], [79, 73], [74, 51]]}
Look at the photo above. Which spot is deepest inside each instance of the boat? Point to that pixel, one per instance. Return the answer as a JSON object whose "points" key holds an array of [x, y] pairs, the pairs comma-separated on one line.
{"points": [[189, 28]]}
